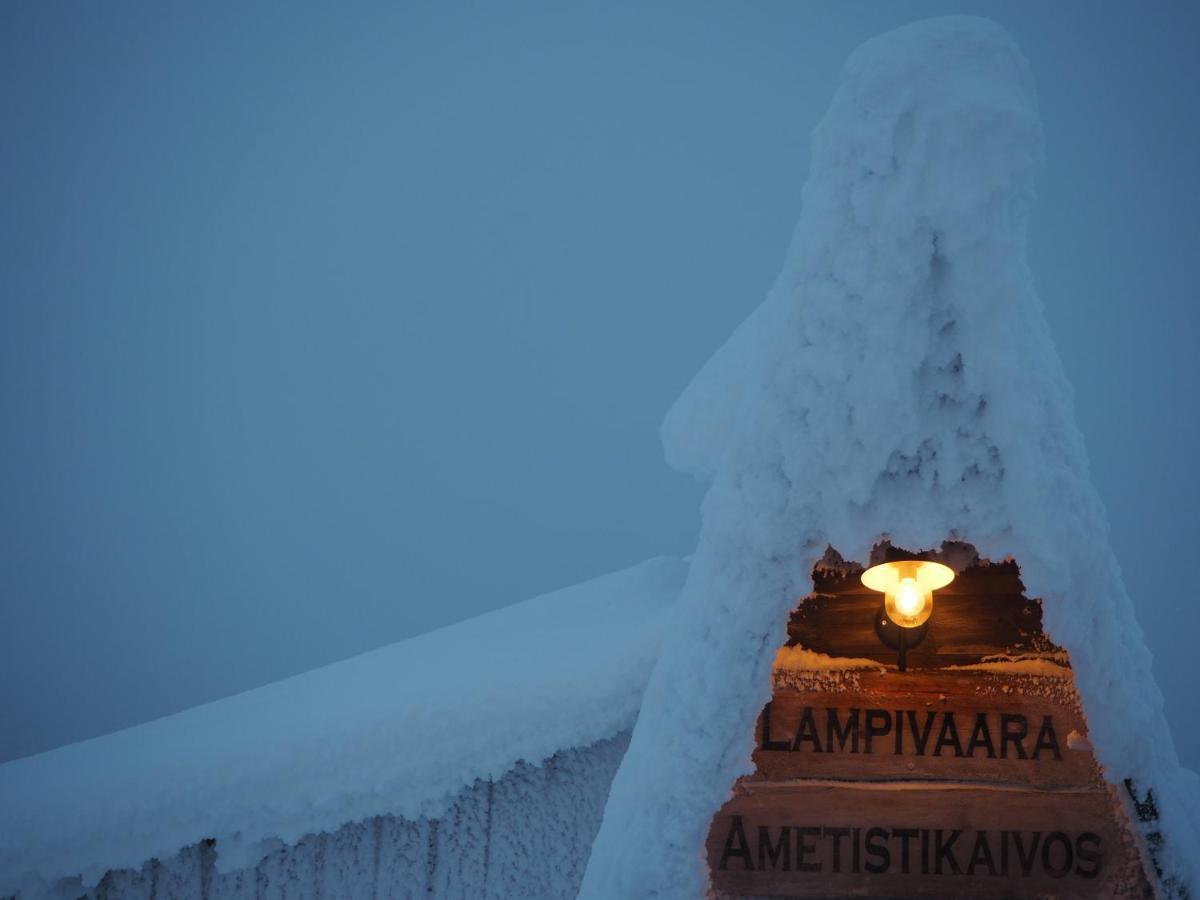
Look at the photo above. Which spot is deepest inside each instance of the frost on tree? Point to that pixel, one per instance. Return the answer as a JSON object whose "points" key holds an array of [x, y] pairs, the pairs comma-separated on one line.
{"points": [[897, 385]]}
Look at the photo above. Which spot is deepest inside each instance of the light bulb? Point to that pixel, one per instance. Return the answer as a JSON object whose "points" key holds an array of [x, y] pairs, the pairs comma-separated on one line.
{"points": [[908, 586], [909, 599]]}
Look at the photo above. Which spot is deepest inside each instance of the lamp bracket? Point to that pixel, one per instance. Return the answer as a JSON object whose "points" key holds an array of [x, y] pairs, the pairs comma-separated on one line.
{"points": [[897, 637]]}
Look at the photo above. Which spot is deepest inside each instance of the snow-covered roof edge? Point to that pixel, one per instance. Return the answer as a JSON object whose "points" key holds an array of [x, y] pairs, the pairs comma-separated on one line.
{"points": [[899, 381], [399, 730]]}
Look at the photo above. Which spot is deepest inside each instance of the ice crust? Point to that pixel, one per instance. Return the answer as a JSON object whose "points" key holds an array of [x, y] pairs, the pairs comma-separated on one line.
{"points": [[401, 731], [898, 381]]}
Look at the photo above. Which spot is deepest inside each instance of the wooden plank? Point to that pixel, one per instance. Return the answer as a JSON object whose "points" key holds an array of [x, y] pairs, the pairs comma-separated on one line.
{"points": [[982, 612], [803, 839], [926, 725]]}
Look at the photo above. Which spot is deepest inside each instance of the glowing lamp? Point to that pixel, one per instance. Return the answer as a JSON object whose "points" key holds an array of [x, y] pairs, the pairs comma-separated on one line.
{"points": [[907, 587]]}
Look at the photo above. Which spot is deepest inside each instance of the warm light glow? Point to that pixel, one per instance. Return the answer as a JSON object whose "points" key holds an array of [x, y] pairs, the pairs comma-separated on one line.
{"points": [[907, 587], [909, 597]]}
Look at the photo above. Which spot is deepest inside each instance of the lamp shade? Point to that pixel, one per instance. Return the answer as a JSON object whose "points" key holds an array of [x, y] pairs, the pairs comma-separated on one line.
{"points": [[907, 587]]}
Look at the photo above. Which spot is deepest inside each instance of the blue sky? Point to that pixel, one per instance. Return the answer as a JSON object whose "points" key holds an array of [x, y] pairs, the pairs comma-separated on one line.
{"points": [[321, 327]]}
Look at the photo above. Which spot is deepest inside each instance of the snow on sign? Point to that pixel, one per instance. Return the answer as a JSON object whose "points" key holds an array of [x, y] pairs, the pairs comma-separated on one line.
{"points": [[969, 773]]}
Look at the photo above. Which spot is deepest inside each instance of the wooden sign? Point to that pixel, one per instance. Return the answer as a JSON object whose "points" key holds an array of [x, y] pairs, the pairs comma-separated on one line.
{"points": [[970, 775], [930, 724], [919, 840]]}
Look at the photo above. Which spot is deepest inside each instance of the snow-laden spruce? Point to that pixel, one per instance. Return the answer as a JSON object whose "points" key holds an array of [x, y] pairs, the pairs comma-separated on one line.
{"points": [[899, 381]]}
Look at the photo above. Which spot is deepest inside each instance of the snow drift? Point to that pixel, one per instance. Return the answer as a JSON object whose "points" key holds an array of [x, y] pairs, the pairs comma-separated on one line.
{"points": [[899, 381], [408, 731]]}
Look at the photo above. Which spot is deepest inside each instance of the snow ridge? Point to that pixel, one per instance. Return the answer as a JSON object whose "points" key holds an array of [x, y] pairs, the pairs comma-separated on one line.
{"points": [[524, 835], [400, 731]]}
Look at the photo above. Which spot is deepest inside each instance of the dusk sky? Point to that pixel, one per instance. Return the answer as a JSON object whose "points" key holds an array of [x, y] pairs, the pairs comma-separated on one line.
{"points": [[324, 327]]}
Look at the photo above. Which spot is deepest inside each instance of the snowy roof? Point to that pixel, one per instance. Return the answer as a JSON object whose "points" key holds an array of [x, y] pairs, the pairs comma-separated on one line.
{"points": [[399, 730], [899, 381]]}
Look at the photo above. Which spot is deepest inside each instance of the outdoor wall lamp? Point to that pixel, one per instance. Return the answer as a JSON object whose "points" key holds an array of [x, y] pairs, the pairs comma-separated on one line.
{"points": [[907, 586]]}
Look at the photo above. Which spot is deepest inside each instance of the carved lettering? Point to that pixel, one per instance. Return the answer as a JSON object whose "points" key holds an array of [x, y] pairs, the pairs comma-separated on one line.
{"points": [[837, 834], [807, 732], [1013, 728], [766, 742], [981, 855], [920, 738], [948, 737], [1046, 739], [981, 736], [778, 855], [877, 849], [905, 835], [938, 852], [1087, 850], [945, 851], [879, 724], [1026, 856], [1051, 859], [834, 732], [804, 849], [736, 845], [855, 730]]}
